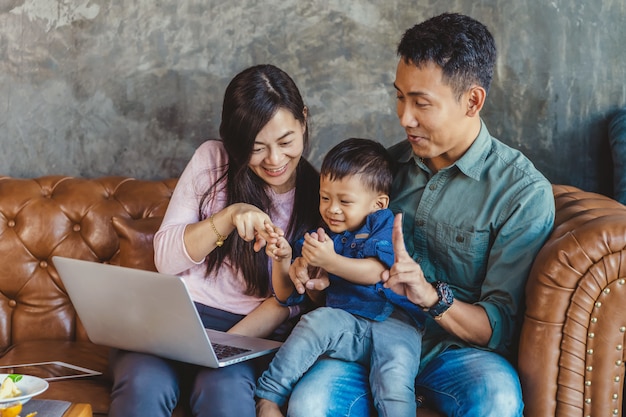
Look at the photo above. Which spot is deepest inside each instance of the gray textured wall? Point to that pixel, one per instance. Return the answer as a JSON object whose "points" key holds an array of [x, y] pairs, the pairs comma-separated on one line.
{"points": [[132, 87]]}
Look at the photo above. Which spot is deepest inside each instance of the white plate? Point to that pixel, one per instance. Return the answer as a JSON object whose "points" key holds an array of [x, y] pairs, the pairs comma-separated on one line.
{"points": [[29, 385]]}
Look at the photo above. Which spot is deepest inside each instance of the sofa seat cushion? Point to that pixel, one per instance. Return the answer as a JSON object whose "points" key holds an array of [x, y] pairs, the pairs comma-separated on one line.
{"points": [[92, 390]]}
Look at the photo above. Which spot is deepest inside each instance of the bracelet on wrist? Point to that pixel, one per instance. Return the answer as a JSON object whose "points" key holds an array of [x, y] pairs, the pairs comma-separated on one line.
{"points": [[446, 298], [220, 238]]}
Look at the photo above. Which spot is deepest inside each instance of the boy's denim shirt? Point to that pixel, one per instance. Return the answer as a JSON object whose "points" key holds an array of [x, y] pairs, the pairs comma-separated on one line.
{"points": [[374, 302]]}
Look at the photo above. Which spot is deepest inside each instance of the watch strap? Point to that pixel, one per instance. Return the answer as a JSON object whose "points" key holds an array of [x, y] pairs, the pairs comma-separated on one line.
{"points": [[446, 298]]}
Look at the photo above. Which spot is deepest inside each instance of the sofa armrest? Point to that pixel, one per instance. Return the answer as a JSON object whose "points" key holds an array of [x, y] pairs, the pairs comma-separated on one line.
{"points": [[571, 357]]}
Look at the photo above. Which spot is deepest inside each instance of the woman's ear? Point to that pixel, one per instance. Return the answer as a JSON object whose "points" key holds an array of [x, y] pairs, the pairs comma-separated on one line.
{"points": [[305, 115], [382, 202]]}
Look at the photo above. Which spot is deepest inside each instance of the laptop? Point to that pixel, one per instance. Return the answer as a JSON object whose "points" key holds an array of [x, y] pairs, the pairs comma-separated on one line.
{"points": [[149, 312]]}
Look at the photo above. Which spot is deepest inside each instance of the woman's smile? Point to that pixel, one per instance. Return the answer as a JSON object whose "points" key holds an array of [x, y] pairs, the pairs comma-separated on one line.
{"points": [[277, 150], [276, 172]]}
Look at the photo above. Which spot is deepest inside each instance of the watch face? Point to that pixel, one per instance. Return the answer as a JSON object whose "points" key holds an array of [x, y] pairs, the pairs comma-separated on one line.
{"points": [[446, 298]]}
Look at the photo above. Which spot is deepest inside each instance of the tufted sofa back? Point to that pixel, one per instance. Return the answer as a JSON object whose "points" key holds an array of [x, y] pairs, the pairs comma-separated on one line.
{"points": [[70, 217], [571, 353]]}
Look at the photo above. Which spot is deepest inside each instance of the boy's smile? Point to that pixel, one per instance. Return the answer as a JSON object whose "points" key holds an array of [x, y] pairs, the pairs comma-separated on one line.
{"points": [[346, 202]]}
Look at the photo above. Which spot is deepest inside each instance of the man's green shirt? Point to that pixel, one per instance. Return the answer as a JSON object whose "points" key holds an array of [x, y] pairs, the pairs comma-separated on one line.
{"points": [[476, 225]]}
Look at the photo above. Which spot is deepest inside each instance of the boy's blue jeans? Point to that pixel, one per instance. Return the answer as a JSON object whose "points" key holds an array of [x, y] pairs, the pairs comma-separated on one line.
{"points": [[459, 382], [390, 349]]}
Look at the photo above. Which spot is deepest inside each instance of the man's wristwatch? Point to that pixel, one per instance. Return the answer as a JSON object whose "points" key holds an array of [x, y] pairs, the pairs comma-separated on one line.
{"points": [[446, 298]]}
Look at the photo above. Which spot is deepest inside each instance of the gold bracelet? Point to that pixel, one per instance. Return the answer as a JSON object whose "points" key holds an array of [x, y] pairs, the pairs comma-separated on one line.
{"points": [[220, 238]]}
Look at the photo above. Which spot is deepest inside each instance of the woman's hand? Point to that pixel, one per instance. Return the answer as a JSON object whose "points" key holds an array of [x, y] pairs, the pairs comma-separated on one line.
{"points": [[263, 320], [251, 224]]}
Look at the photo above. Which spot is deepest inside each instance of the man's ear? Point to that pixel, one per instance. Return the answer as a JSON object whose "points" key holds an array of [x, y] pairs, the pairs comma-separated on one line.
{"points": [[475, 100], [382, 202]]}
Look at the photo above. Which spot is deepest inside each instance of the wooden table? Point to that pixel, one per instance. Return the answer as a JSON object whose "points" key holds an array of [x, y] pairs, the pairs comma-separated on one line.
{"points": [[79, 410]]}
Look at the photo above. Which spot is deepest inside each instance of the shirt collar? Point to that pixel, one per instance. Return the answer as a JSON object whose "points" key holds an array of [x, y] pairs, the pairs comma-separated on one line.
{"points": [[365, 229], [473, 161]]}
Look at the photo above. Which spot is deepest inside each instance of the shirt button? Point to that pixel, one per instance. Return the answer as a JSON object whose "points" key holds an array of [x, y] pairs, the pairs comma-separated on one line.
{"points": [[344, 240], [433, 187], [421, 223], [460, 239], [353, 245]]}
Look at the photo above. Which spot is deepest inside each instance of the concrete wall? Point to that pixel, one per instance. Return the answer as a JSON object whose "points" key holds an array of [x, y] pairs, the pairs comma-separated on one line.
{"points": [[132, 87]]}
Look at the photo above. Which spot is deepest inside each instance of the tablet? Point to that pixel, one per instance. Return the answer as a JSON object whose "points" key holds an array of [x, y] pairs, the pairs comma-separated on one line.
{"points": [[50, 371]]}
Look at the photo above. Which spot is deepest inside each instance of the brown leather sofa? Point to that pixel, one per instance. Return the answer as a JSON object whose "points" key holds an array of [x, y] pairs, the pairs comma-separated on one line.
{"points": [[572, 341], [107, 220], [571, 351]]}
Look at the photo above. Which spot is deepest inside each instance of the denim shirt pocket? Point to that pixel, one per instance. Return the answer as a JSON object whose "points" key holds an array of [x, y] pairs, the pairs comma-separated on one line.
{"points": [[351, 247]]}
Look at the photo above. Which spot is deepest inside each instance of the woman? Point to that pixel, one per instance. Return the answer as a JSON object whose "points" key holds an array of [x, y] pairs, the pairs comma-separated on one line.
{"points": [[254, 179]]}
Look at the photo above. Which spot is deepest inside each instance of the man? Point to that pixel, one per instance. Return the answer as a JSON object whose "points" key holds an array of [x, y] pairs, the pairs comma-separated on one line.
{"points": [[474, 213]]}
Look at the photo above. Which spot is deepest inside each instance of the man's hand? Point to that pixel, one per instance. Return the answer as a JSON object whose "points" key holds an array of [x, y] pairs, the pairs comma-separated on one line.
{"points": [[406, 276], [306, 277]]}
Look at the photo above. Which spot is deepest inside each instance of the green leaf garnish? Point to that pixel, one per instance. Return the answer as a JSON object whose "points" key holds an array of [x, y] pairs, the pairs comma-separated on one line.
{"points": [[15, 377]]}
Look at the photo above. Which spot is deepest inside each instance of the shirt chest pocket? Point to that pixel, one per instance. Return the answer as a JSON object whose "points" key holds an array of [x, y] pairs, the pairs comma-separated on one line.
{"points": [[349, 246], [463, 253]]}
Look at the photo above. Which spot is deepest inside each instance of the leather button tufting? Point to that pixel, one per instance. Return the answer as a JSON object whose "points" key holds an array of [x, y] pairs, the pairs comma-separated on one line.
{"points": [[76, 228], [12, 303], [11, 223], [43, 264]]}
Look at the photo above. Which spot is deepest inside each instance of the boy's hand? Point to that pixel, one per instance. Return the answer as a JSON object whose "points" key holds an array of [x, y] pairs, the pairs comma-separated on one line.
{"points": [[269, 236], [280, 250], [318, 249]]}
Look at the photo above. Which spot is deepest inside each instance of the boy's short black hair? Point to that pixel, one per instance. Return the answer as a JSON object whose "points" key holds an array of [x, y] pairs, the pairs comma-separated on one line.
{"points": [[364, 157]]}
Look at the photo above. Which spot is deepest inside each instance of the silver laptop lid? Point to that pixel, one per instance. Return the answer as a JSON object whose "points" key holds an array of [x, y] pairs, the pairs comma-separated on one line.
{"points": [[143, 311]]}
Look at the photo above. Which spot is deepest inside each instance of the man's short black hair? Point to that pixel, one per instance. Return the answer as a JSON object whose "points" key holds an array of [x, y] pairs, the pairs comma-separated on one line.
{"points": [[462, 46]]}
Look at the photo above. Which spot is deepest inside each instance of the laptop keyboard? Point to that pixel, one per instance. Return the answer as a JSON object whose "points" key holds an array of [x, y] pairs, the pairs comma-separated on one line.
{"points": [[224, 351]]}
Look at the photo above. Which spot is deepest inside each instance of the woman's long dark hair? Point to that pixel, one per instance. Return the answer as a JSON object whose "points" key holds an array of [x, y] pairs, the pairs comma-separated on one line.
{"points": [[251, 99]]}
